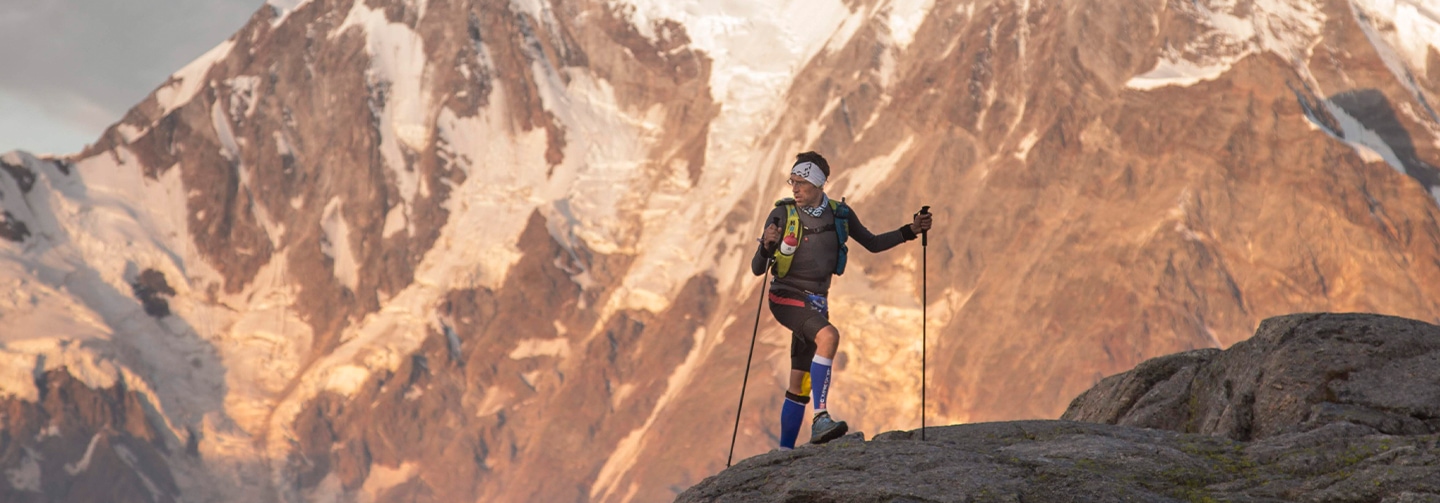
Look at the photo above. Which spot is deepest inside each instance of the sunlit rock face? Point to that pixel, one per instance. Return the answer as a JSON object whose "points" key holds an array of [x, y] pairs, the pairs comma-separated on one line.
{"points": [[498, 251]]}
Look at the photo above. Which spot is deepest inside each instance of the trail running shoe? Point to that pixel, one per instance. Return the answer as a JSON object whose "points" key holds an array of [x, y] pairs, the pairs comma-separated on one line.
{"points": [[824, 429]]}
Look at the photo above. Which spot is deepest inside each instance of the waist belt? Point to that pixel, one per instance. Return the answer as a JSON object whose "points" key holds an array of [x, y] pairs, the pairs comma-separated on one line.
{"points": [[776, 299]]}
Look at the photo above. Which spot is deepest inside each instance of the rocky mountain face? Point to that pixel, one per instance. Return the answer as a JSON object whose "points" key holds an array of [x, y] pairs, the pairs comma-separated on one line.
{"points": [[1315, 407], [454, 250]]}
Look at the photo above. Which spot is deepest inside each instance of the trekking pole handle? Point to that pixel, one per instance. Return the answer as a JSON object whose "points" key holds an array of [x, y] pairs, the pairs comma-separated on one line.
{"points": [[775, 221], [925, 235]]}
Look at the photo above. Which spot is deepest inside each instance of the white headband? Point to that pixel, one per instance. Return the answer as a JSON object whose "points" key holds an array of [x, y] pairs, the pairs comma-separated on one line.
{"points": [[810, 172]]}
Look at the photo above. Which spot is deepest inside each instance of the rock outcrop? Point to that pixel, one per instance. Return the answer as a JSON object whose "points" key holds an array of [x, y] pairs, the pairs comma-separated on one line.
{"points": [[1298, 373], [1315, 407], [76, 443]]}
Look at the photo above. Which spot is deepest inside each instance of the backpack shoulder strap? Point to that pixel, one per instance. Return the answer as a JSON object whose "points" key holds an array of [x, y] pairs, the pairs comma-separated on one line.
{"points": [[792, 228]]}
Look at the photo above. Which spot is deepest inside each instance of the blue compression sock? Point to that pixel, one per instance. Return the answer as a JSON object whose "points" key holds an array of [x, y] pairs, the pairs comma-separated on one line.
{"points": [[792, 413], [820, 377]]}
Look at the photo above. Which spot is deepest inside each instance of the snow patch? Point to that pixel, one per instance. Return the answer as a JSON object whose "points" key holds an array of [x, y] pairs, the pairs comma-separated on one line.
{"points": [[129, 132], [905, 19], [84, 463], [26, 476], [1180, 73], [242, 95], [531, 348], [531, 378], [1402, 32], [397, 63], [262, 346], [1411, 27], [382, 478], [329, 490], [336, 244], [494, 198], [494, 401], [229, 147], [1023, 149], [67, 296], [185, 83], [395, 221], [1366, 143], [346, 379], [846, 30], [621, 392], [1287, 28], [855, 184], [282, 144]]}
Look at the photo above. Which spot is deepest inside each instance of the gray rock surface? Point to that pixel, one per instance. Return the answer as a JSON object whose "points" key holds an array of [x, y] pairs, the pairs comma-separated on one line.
{"points": [[1299, 372], [1315, 407], [1045, 461]]}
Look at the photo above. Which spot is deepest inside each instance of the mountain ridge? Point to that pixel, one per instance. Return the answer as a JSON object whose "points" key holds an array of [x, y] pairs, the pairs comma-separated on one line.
{"points": [[346, 195]]}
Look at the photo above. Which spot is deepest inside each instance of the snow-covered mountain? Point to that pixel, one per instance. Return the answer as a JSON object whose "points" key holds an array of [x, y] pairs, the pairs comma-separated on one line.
{"points": [[376, 250]]}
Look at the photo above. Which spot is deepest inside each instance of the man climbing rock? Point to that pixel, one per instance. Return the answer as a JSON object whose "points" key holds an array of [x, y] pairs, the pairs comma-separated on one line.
{"points": [[806, 236]]}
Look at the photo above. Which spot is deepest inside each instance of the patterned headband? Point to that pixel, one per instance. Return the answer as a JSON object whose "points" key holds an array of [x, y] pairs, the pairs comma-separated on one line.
{"points": [[810, 172]]}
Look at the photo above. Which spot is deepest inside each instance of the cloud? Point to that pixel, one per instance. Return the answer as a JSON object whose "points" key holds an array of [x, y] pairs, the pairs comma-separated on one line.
{"points": [[83, 63]]}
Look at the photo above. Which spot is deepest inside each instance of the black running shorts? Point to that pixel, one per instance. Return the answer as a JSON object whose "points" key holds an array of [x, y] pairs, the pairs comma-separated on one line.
{"points": [[805, 315]]}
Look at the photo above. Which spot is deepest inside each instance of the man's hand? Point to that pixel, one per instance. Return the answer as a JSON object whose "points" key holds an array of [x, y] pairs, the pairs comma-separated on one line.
{"points": [[921, 223], [772, 236]]}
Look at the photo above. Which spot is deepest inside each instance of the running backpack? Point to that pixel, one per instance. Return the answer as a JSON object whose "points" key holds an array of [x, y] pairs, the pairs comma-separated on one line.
{"points": [[794, 229]]}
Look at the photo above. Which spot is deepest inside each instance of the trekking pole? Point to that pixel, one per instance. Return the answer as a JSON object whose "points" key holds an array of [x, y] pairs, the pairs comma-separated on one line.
{"points": [[924, 287], [746, 382]]}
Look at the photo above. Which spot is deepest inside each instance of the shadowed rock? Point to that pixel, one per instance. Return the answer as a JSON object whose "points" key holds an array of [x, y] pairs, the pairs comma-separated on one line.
{"points": [[149, 287], [1298, 373], [83, 445], [12, 228], [22, 175]]}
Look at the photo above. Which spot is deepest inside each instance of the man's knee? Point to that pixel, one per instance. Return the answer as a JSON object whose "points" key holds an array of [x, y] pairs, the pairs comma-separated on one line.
{"points": [[828, 333]]}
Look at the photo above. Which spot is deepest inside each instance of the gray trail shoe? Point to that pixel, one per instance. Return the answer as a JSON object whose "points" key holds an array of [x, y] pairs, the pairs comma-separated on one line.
{"points": [[825, 429]]}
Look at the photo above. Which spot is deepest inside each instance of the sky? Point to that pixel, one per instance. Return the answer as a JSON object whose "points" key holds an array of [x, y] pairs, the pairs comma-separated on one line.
{"points": [[71, 68]]}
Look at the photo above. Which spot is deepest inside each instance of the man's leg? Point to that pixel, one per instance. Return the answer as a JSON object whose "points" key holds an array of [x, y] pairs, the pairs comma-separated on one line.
{"points": [[797, 394], [823, 428], [792, 413], [827, 340]]}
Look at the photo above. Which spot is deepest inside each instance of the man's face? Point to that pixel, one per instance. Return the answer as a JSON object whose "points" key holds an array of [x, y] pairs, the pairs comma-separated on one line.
{"points": [[806, 193]]}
